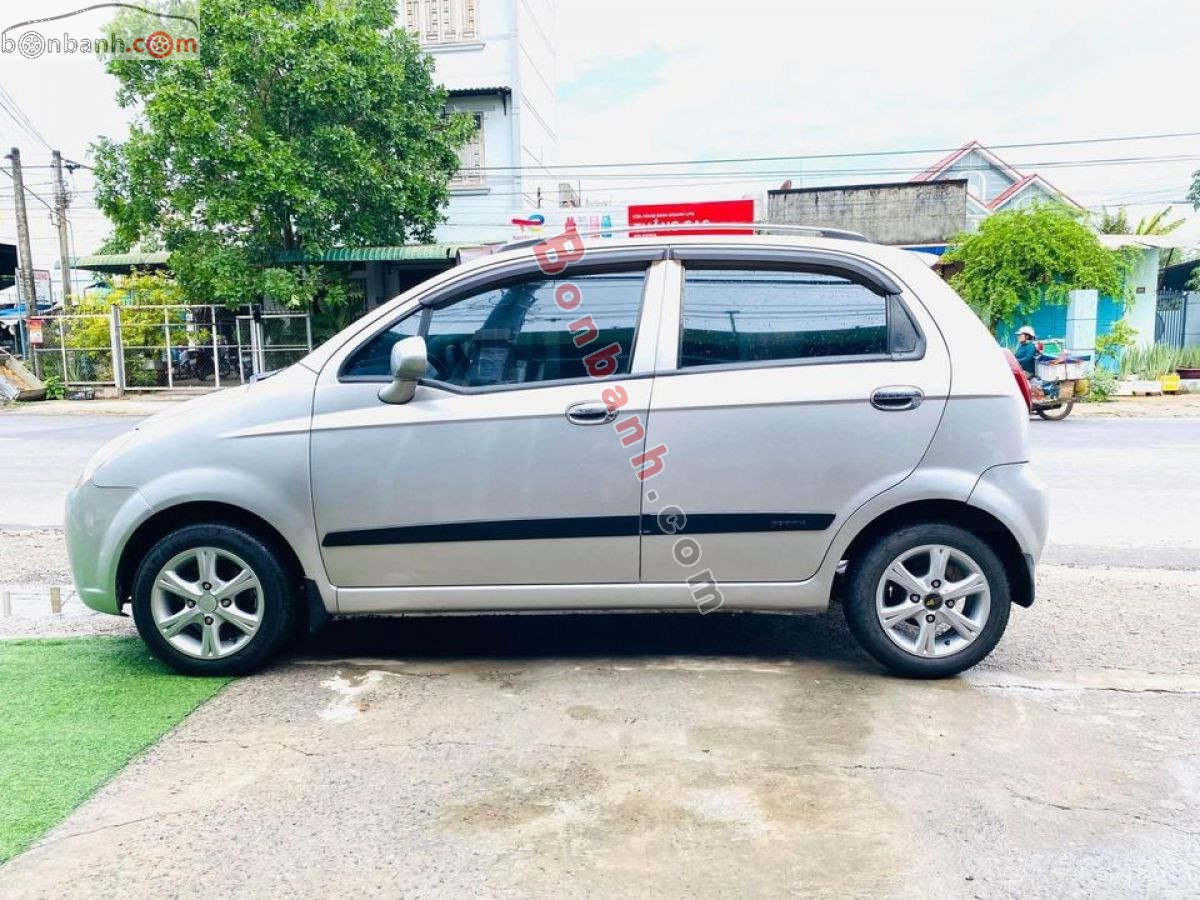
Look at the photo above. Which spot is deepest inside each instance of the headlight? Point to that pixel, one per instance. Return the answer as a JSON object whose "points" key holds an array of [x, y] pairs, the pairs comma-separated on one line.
{"points": [[103, 455]]}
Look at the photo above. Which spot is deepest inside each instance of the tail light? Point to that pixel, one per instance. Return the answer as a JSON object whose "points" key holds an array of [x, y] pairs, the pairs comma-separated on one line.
{"points": [[1019, 375]]}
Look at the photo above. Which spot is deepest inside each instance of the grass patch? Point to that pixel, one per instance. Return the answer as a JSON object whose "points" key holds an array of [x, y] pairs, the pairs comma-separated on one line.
{"points": [[72, 713]]}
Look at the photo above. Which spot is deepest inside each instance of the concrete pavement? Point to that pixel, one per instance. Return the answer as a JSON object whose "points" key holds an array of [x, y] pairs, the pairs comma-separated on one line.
{"points": [[674, 756]]}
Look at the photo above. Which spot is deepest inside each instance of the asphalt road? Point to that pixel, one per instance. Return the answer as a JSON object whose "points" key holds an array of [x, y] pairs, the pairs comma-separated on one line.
{"points": [[40, 458], [1123, 491], [686, 756]]}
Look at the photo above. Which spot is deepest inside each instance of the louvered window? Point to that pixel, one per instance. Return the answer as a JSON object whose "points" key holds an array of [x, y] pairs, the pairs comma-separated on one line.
{"points": [[441, 21], [470, 159]]}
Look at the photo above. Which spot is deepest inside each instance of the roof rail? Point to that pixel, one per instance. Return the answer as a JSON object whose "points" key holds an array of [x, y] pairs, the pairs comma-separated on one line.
{"points": [[701, 228]]}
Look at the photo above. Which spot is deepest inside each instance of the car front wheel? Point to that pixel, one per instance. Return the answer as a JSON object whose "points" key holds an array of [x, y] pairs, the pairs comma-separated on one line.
{"points": [[213, 599], [928, 600]]}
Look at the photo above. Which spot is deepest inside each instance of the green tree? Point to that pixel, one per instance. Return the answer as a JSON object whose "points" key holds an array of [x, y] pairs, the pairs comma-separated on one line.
{"points": [[1118, 222], [144, 329], [1023, 259], [302, 125]]}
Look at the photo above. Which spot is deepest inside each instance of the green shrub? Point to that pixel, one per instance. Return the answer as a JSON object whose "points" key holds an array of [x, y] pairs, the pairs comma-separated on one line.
{"points": [[54, 387], [1100, 386], [1151, 362]]}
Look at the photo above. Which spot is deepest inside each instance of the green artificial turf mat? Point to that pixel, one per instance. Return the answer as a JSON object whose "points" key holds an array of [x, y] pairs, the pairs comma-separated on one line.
{"points": [[72, 713]]}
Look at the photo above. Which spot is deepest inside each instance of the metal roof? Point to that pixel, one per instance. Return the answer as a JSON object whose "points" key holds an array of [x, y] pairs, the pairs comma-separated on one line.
{"points": [[120, 262], [409, 253], [398, 253]]}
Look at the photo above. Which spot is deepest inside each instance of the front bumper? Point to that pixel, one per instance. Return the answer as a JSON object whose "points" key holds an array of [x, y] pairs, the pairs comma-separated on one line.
{"points": [[98, 524]]}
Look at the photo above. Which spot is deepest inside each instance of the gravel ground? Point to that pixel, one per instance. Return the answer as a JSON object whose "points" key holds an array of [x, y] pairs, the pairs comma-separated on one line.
{"points": [[32, 562], [1181, 406]]}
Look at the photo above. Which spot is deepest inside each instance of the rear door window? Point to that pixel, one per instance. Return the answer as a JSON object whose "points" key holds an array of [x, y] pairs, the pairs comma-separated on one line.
{"points": [[732, 316]]}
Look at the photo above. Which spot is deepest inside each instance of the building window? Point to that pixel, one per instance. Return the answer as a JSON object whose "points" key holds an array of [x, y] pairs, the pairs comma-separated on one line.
{"points": [[441, 21], [470, 159]]}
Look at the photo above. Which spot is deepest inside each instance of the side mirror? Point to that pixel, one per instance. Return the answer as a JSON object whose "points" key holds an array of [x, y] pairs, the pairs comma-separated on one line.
{"points": [[408, 364]]}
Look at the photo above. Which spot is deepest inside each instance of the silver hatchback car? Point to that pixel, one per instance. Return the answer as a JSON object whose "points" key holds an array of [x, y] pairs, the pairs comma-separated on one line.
{"points": [[708, 422]]}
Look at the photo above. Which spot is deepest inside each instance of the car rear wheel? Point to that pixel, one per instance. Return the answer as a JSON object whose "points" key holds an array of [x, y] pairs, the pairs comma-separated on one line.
{"points": [[213, 600], [928, 600]]}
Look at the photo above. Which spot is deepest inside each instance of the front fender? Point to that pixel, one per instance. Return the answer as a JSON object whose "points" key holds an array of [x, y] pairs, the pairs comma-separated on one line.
{"points": [[281, 499]]}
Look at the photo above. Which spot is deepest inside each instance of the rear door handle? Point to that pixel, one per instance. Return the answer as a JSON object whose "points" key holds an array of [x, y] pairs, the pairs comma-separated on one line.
{"points": [[590, 412], [897, 398]]}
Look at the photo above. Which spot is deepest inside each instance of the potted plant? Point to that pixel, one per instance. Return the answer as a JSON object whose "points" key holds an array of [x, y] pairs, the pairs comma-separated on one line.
{"points": [[1189, 363]]}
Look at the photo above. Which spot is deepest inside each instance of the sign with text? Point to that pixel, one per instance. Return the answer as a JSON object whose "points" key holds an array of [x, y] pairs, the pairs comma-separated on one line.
{"points": [[41, 287], [657, 215], [599, 221]]}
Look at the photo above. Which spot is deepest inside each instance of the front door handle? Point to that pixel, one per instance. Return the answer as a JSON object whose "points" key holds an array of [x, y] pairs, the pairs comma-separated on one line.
{"points": [[897, 398], [590, 412]]}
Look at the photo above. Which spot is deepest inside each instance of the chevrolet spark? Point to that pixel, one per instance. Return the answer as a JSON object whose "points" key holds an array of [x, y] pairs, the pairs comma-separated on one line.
{"points": [[703, 422]]}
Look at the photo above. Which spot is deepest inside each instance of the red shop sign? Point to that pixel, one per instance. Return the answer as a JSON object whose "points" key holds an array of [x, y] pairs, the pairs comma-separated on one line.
{"points": [[656, 215]]}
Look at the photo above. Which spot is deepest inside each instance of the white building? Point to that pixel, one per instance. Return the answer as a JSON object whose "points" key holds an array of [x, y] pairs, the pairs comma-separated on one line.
{"points": [[497, 60]]}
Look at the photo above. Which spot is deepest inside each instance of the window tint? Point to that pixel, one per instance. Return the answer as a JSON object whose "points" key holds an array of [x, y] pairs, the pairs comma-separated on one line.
{"points": [[518, 333], [737, 316], [375, 357]]}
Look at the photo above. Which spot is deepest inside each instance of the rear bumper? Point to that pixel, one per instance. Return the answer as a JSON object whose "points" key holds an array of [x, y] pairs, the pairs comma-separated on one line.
{"points": [[98, 523], [1017, 497]]}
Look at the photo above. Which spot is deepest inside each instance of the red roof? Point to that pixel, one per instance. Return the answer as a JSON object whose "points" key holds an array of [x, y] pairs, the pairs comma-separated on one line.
{"points": [[947, 161], [1010, 190], [1021, 182]]}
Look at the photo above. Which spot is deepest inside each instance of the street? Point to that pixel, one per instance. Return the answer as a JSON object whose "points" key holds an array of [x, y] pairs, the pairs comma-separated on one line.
{"points": [[746, 755], [1123, 491], [40, 458]]}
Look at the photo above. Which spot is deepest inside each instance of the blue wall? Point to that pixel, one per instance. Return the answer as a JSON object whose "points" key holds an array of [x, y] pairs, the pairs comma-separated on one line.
{"points": [[1051, 321]]}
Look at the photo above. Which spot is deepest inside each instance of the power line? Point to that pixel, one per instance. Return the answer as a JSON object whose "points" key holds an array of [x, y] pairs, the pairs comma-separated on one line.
{"points": [[9, 173], [10, 106], [897, 170], [858, 154]]}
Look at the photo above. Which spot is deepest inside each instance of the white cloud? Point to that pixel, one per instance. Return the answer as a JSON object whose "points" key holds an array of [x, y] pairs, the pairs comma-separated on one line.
{"points": [[761, 78], [772, 78]]}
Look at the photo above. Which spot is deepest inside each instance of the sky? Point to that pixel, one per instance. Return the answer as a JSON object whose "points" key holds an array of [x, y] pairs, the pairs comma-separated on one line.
{"points": [[646, 80]]}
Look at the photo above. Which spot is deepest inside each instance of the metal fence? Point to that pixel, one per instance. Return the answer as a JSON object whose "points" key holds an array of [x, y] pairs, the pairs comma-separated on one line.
{"points": [[1170, 318], [153, 348]]}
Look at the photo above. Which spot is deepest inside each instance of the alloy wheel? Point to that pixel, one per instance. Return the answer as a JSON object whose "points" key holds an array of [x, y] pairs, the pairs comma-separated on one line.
{"points": [[207, 602], [933, 601]]}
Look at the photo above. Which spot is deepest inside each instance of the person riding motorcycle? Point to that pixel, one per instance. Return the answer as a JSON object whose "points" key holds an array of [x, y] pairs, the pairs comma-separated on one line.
{"points": [[1027, 351]]}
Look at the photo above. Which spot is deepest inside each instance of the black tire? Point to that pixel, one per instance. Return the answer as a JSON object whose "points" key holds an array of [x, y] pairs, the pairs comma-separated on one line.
{"points": [[281, 613], [863, 578], [1059, 412]]}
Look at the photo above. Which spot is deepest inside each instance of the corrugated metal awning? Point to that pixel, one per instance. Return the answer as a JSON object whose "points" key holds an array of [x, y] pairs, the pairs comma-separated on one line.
{"points": [[121, 262], [401, 253]]}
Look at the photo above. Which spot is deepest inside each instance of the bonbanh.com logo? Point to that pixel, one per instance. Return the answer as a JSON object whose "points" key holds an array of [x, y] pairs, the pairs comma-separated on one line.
{"points": [[134, 33]]}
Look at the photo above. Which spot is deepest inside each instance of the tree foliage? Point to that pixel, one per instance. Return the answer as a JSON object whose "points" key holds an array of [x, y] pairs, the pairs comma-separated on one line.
{"points": [[1023, 259], [1118, 222], [304, 124], [144, 329]]}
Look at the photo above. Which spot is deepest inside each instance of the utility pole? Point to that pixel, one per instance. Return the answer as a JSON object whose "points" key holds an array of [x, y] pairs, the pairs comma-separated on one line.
{"points": [[26, 257], [60, 215]]}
